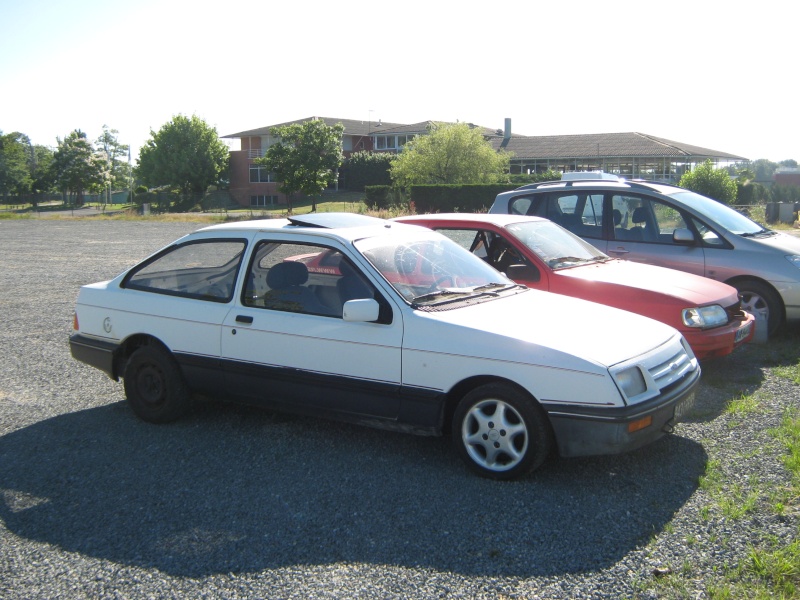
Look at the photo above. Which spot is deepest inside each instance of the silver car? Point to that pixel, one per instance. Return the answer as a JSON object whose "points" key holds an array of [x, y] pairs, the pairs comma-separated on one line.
{"points": [[673, 227]]}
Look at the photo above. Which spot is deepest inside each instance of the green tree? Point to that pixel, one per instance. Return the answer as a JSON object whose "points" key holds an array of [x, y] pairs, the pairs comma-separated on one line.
{"points": [[306, 159], [748, 192], [116, 153], [450, 153], [42, 172], [187, 154], [708, 181], [764, 170], [15, 175], [79, 167]]}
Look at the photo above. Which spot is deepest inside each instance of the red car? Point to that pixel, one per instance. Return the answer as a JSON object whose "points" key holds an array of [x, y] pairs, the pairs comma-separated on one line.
{"points": [[542, 255]]}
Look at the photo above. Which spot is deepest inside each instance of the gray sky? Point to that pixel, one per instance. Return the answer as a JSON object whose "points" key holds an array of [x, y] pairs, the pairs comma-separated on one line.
{"points": [[717, 74]]}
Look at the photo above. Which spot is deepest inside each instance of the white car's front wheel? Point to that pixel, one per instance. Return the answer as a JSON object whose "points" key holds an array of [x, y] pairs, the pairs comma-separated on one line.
{"points": [[501, 432]]}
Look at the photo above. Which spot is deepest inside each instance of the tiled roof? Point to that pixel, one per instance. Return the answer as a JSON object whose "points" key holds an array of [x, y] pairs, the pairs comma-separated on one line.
{"points": [[609, 145], [351, 127]]}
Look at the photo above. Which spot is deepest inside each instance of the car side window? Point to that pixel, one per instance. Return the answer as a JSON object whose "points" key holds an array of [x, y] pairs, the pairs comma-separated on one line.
{"points": [[580, 213], [520, 205], [623, 210], [648, 220], [204, 270], [303, 278]]}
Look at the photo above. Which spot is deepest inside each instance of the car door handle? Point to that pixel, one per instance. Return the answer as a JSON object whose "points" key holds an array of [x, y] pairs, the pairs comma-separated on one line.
{"points": [[244, 319], [619, 250]]}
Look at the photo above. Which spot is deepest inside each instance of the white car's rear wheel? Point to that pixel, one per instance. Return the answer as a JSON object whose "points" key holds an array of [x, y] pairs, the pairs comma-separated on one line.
{"points": [[500, 432], [154, 386]]}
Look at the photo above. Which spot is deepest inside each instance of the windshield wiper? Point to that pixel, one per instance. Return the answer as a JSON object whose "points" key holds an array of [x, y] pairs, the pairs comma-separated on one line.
{"points": [[481, 290], [492, 286], [427, 297], [761, 232], [564, 260]]}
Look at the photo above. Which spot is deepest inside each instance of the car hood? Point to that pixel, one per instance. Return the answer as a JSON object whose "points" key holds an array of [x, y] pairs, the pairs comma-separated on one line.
{"points": [[784, 242], [649, 282], [521, 327]]}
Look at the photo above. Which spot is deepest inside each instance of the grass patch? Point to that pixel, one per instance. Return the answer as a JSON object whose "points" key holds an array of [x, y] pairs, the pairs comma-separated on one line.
{"points": [[771, 568], [743, 405], [790, 372]]}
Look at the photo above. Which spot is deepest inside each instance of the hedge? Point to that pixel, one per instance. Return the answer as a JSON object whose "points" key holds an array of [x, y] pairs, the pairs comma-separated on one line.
{"points": [[438, 198]]}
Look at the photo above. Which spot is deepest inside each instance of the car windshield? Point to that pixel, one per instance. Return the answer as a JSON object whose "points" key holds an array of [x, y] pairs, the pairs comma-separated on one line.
{"points": [[716, 212], [428, 268], [556, 246]]}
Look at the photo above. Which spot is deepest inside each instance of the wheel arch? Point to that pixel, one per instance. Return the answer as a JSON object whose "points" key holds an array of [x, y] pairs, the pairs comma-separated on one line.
{"points": [[462, 388], [130, 345], [739, 279]]}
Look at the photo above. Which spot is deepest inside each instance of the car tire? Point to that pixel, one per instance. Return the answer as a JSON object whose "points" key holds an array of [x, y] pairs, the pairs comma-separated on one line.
{"points": [[155, 387], [501, 432], [759, 297]]}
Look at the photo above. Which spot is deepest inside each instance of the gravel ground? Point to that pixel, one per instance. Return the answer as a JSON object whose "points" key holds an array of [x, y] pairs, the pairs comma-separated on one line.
{"points": [[233, 502]]}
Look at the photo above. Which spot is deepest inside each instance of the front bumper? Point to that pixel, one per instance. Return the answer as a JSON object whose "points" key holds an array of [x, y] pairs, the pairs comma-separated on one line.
{"points": [[587, 432], [721, 341]]}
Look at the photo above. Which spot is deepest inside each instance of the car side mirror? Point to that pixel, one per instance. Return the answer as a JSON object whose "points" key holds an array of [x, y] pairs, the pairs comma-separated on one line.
{"points": [[683, 236], [362, 310], [522, 273]]}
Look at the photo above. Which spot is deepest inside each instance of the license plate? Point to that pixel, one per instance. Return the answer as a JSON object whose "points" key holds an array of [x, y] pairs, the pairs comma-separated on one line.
{"points": [[683, 407], [743, 333]]}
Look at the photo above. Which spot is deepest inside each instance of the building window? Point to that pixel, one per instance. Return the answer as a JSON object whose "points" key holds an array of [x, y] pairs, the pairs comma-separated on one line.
{"points": [[260, 174], [386, 142], [263, 200]]}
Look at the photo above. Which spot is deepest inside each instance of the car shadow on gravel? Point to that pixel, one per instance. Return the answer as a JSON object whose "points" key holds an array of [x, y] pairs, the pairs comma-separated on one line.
{"points": [[234, 489]]}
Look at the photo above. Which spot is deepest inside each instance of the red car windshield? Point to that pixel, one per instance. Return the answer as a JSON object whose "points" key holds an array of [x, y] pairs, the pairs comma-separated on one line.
{"points": [[429, 267], [556, 246]]}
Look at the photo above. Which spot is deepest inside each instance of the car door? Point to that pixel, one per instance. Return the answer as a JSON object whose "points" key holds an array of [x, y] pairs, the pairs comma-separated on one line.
{"points": [[181, 296], [286, 342], [642, 230]]}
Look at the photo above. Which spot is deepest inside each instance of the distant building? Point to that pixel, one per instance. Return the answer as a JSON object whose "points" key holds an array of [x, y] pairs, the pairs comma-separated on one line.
{"points": [[789, 176], [632, 155]]}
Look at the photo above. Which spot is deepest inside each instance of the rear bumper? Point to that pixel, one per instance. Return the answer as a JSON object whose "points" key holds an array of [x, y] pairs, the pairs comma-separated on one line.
{"points": [[96, 353], [595, 431], [721, 341]]}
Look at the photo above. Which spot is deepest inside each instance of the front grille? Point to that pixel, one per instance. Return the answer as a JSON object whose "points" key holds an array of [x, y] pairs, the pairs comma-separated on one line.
{"points": [[734, 311], [671, 369]]}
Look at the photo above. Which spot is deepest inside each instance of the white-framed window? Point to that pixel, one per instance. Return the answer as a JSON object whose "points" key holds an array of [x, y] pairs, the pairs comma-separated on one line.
{"points": [[259, 174], [385, 142], [263, 200]]}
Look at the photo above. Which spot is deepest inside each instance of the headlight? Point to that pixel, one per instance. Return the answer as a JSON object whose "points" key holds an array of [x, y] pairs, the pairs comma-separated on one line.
{"points": [[794, 259], [631, 381], [705, 317]]}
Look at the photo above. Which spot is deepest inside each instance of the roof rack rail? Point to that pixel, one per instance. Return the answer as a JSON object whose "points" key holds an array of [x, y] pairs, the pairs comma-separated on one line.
{"points": [[645, 185]]}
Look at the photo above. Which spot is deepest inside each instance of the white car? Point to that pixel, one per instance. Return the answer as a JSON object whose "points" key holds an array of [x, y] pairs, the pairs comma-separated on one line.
{"points": [[384, 324]]}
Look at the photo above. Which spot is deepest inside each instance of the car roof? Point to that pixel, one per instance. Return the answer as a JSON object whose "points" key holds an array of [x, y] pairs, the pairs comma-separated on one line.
{"points": [[348, 226], [498, 219]]}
